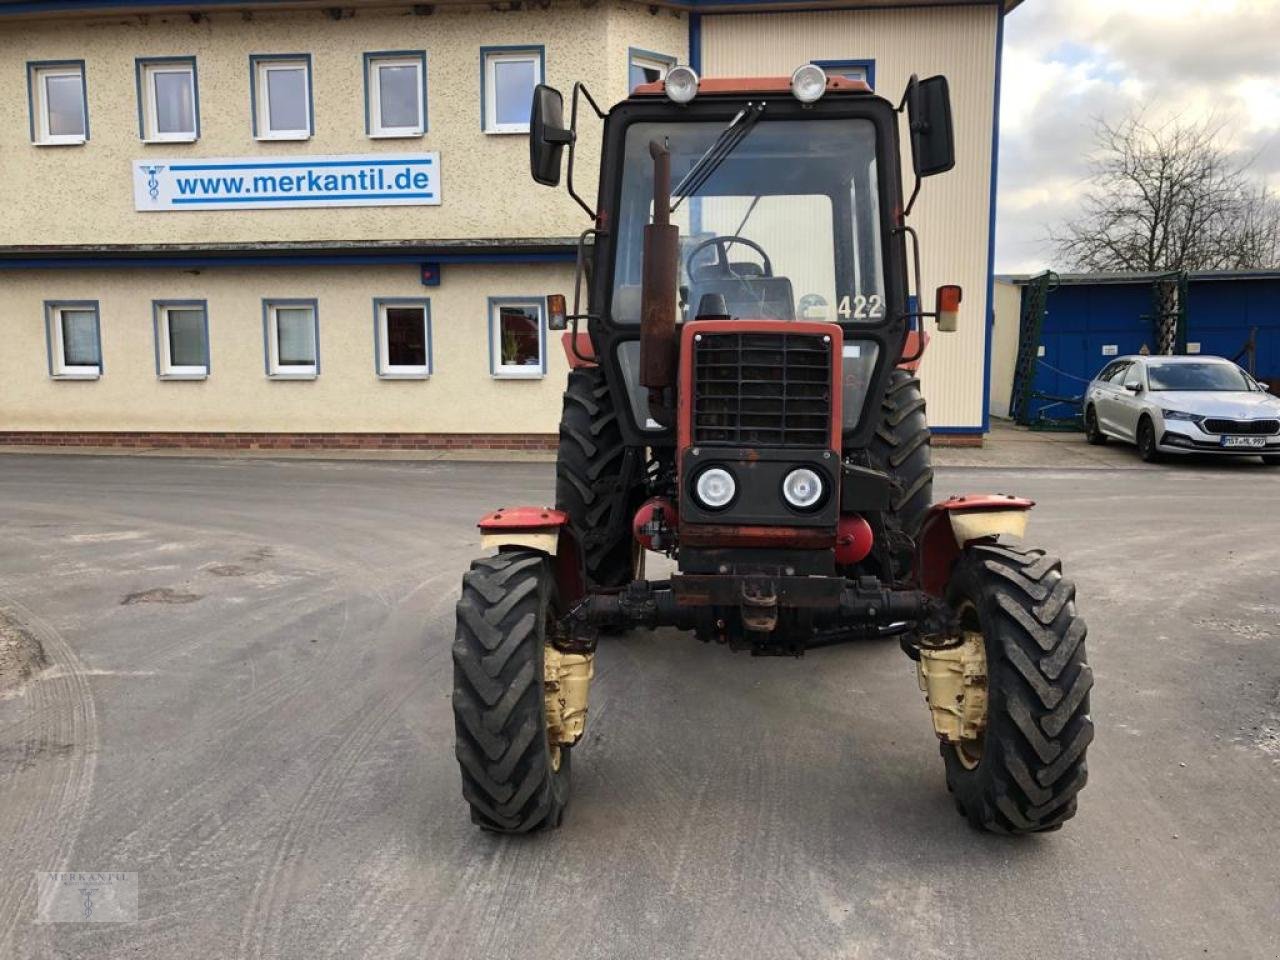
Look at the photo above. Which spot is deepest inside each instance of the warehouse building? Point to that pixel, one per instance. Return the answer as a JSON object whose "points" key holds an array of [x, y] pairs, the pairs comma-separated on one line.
{"points": [[289, 223], [1083, 320]]}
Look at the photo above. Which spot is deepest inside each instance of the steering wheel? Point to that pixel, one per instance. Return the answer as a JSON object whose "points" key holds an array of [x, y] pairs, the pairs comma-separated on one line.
{"points": [[721, 266]]}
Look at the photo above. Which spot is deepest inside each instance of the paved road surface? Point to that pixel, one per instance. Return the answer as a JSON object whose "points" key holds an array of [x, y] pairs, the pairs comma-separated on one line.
{"points": [[246, 702]]}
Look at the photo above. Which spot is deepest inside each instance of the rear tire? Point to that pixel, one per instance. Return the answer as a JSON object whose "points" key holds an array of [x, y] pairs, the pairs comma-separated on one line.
{"points": [[1031, 760], [595, 480], [509, 777], [901, 448], [1147, 441], [1092, 432]]}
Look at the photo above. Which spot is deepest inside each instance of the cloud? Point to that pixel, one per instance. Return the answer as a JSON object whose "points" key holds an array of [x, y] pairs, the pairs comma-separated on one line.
{"points": [[1066, 64]]}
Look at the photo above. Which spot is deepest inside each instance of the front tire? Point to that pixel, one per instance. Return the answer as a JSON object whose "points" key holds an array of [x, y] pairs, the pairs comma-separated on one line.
{"points": [[1092, 432], [1271, 459], [1024, 773], [1147, 441], [511, 777]]}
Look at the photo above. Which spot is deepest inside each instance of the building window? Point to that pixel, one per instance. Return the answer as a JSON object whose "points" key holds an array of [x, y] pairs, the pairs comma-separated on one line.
{"points": [[507, 78], [74, 339], [517, 337], [293, 338], [864, 70], [402, 337], [58, 102], [281, 92], [168, 100], [182, 339], [646, 67], [395, 94]]}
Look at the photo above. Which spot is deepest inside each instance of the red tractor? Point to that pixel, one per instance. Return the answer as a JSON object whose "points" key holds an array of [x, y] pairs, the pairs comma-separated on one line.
{"points": [[742, 399]]}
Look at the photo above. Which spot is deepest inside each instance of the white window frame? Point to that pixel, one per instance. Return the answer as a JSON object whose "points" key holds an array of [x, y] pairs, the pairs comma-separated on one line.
{"points": [[262, 66], [648, 59], [385, 368], [37, 75], [492, 57], [373, 93], [59, 369], [165, 369], [149, 110], [511, 371], [271, 331]]}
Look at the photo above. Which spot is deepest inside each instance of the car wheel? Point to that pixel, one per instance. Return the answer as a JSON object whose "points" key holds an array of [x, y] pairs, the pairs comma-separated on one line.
{"points": [[1271, 459], [1092, 432], [1147, 441]]}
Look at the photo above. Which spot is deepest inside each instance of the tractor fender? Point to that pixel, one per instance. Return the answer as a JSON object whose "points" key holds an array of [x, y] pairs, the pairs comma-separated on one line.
{"points": [[542, 529], [954, 523], [578, 349]]}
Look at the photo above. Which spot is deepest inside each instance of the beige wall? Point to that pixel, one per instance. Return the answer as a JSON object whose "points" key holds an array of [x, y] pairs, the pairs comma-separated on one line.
{"points": [[83, 194], [460, 396], [953, 213], [1004, 344]]}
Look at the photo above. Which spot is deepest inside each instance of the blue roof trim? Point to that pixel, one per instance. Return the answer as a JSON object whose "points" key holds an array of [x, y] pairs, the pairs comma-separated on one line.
{"points": [[326, 259], [695, 42], [989, 316], [62, 6]]}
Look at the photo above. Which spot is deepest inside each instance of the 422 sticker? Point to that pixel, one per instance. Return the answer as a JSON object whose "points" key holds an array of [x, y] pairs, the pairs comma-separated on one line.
{"points": [[862, 307]]}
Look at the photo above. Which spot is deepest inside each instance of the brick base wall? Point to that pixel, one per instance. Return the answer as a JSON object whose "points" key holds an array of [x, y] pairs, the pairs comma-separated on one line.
{"points": [[327, 441], [285, 441]]}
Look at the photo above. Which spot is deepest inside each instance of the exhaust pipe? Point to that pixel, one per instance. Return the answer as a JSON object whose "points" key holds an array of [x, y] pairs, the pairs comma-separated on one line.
{"points": [[658, 293]]}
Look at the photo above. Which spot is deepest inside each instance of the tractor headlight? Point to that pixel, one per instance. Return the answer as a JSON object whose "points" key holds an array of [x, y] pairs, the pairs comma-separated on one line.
{"points": [[1179, 415], [808, 83], [803, 488], [715, 488], [681, 84]]}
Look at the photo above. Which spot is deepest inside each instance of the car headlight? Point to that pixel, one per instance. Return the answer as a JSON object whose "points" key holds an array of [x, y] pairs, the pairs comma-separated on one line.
{"points": [[715, 488], [1179, 415], [802, 488]]}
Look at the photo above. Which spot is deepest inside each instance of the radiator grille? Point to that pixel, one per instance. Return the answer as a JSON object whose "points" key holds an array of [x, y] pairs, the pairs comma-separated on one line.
{"points": [[1255, 427], [762, 389]]}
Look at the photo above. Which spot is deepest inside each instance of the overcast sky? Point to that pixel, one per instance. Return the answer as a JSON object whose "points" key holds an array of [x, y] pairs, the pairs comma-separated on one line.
{"points": [[1069, 61]]}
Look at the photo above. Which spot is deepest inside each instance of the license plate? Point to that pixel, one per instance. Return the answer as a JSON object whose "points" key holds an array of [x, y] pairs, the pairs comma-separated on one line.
{"points": [[1243, 441]]}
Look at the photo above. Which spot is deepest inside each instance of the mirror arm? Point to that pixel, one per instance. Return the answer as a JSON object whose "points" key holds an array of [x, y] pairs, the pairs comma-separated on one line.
{"points": [[917, 314], [579, 88]]}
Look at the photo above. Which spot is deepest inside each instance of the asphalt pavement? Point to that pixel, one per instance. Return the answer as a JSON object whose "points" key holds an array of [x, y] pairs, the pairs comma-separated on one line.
{"points": [[238, 686]]}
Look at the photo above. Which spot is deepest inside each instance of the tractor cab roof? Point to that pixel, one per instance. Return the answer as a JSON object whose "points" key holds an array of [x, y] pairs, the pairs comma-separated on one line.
{"points": [[737, 86]]}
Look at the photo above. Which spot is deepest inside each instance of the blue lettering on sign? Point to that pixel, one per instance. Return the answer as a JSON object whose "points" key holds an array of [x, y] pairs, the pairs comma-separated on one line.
{"points": [[316, 181]]}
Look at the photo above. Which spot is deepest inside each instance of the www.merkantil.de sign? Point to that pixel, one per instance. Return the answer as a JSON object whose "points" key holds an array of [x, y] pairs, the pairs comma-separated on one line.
{"points": [[367, 180]]}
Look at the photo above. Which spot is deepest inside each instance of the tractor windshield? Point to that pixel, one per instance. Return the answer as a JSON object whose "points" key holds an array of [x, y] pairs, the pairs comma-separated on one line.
{"points": [[785, 227]]}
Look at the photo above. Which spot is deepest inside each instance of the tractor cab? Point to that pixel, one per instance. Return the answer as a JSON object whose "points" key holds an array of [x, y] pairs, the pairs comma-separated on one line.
{"points": [[742, 399]]}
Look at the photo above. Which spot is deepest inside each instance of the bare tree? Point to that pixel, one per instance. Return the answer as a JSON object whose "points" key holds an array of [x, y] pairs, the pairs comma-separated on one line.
{"points": [[1170, 197]]}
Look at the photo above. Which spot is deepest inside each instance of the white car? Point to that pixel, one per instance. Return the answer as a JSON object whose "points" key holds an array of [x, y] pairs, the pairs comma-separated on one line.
{"points": [[1179, 405]]}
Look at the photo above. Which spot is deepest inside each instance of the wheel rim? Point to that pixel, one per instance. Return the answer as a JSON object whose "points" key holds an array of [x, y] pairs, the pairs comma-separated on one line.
{"points": [[1145, 438], [969, 752], [1091, 423]]}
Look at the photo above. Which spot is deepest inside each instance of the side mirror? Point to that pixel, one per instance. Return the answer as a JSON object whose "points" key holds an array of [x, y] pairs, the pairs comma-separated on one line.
{"points": [[1133, 387], [933, 147], [557, 313], [548, 135], [947, 307]]}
